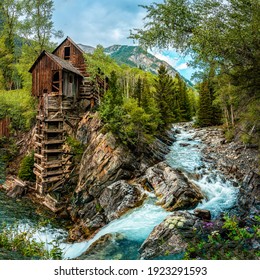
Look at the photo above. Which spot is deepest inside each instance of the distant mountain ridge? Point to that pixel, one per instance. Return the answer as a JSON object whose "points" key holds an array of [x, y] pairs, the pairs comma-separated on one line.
{"points": [[135, 56]]}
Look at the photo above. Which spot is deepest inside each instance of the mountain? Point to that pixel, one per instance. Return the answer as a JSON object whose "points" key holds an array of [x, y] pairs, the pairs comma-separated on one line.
{"points": [[86, 49], [135, 56]]}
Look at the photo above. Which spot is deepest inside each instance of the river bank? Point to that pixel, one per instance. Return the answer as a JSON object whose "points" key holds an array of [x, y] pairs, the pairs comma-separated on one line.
{"points": [[159, 198]]}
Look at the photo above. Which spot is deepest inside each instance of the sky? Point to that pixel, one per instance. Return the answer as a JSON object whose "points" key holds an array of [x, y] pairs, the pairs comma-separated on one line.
{"points": [[108, 22]]}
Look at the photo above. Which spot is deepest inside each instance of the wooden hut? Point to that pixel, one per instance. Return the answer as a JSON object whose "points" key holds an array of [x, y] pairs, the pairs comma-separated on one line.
{"points": [[61, 83]]}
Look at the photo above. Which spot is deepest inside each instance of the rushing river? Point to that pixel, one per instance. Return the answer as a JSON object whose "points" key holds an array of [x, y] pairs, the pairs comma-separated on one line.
{"points": [[135, 226]]}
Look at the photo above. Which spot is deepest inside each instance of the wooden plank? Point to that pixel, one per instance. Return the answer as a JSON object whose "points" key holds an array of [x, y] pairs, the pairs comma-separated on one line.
{"points": [[38, 144], [38, 174], [49, 142], [54, 151], [39, 136], [57, 172], [53, 130], [39, 156], [54, 120], [38, 167], [53, 164], [53, 188], [52, 179]]}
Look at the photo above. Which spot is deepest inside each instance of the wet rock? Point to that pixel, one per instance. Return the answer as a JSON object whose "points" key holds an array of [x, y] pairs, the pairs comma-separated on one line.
{"points": [[115, 200], [249, 195], [172, 188], [184, 144], [171, 236], [202, 214], [120, 197], [111, 246]]}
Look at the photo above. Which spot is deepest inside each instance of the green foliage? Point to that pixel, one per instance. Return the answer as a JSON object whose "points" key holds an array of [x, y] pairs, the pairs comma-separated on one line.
{"points": [[31, 20], [172, 98], [19, 106], [26, 168], [13, 238], [231, 241], [76, 148], [229, 134], [220, 33]]}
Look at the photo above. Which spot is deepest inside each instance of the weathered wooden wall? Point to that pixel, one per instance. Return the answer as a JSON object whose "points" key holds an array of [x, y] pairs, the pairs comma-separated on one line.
{"points": [[5, 127], [42, 76], [76, 55]]}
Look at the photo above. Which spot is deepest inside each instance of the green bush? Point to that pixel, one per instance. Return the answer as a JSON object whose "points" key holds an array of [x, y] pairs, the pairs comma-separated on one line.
{"points": [[23, 242], [230, 241], [76, 148], [26, 168], [19, 106]]}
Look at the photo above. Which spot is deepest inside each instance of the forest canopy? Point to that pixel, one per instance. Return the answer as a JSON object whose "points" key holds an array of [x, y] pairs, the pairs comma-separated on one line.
{"points": [[223, 39]]}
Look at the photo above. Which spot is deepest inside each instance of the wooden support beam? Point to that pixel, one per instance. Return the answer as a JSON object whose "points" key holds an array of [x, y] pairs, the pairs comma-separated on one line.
{"points": [[54, 120], [38, 167], [52, 179], [49, 142], [39, 156], [39, 136], [53, 151], [47, 130]]}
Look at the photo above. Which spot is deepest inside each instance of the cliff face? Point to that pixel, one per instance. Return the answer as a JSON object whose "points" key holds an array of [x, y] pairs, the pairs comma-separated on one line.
{"points": [[104, 160], [102, 193]]}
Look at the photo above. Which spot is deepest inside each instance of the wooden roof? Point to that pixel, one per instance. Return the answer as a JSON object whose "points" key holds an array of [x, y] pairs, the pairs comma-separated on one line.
{"points": [[61, 62]]}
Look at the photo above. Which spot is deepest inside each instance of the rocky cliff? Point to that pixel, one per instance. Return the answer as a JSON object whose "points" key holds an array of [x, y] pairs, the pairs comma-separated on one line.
{"points": [[111, 181]]}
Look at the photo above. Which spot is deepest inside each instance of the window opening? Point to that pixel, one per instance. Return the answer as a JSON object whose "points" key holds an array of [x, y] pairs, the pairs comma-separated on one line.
{"points": [[66, 52]]}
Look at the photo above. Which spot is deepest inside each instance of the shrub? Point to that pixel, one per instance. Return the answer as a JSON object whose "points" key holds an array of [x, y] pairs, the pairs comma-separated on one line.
{"points": [[26, 168], [12, 238], [230, 241]]}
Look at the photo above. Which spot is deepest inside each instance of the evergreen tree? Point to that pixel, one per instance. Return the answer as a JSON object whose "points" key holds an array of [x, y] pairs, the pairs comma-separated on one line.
{"points": [[138, 90], [205, 110], [164, 96], [184, 102]]}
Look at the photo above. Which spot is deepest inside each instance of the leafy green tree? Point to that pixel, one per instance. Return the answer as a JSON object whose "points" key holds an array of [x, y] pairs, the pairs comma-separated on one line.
{"points": [[10, 11], [37, 29]]}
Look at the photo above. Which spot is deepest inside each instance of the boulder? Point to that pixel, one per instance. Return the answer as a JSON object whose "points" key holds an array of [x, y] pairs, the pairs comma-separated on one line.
{"points": [[202, 214], [173, 189], [120, 197], [17, 191], [171, 236], [111, 247], [115, 200]]}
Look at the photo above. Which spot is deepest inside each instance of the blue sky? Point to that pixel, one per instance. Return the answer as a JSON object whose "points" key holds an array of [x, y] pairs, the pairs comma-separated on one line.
{"points": [[108, 22]]}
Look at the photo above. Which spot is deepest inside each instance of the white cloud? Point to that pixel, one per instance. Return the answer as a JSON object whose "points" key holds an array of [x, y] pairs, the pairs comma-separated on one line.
{"points": [[171, 59], [182, 66]]}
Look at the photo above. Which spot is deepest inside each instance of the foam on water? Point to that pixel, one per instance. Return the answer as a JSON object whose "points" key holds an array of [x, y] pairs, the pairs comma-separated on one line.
{"points": [[136, 226]]}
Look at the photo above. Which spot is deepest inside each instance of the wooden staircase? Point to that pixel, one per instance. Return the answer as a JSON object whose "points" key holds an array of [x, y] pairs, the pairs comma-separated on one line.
{"points": [[52, 164]]}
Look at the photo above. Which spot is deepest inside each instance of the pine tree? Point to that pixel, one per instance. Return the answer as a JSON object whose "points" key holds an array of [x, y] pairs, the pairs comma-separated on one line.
{"points": [[138, 90], [164, 96], [205, 111]]}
